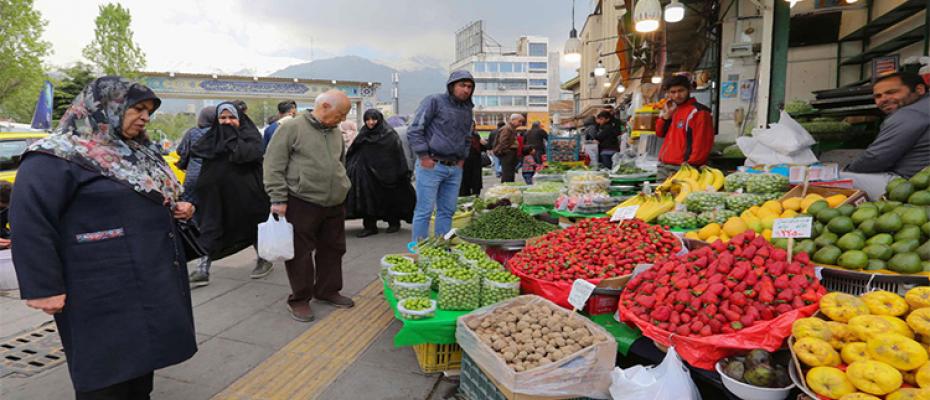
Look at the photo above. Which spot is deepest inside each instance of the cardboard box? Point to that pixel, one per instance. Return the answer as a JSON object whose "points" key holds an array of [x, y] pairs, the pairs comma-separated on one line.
{"points": [[853, 196]]}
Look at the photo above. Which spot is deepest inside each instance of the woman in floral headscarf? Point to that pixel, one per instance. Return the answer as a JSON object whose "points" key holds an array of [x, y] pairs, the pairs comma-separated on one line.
{"points": [[97, 244]]}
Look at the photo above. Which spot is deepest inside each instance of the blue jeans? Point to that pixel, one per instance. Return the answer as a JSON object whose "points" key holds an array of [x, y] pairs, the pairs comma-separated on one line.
{"points": [[437, 188], [528, 177], [606, 158], [495, 164]]}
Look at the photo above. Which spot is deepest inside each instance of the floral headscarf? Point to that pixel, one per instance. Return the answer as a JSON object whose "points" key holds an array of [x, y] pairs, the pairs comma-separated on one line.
{"points": [[90, 135]]}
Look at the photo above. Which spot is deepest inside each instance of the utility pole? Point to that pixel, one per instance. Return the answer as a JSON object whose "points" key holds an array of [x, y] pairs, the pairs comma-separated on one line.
{"points": [[395, 77]]}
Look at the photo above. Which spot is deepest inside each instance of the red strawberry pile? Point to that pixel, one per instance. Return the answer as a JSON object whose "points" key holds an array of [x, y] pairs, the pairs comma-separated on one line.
{"points": [[722, 288], [594, 249]]}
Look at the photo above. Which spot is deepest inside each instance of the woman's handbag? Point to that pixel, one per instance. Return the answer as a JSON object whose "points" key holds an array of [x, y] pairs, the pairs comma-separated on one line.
{"points": [[190, 235]]}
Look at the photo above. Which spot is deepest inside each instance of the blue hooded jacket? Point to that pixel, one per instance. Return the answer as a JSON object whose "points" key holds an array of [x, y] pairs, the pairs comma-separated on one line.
{"points": [[442, 125]]}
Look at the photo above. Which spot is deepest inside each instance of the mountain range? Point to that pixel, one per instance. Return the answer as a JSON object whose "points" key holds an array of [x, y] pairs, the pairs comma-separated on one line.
{"points": [[414, 84]]}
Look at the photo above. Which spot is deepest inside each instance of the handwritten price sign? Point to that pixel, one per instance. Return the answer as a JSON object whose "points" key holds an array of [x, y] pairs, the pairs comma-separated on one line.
{"points": [[791, 228], [624, 213]]}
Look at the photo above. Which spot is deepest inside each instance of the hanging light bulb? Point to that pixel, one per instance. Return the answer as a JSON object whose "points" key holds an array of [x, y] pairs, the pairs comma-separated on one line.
{"points": [[675, 11], [657, 79], [851, 1], [572, 52], [793, 2], [620, 88], [606, 80], [646, 15], [600, 70]]}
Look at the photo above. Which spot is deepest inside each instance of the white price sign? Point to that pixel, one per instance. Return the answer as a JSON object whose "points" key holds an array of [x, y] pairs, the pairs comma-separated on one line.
{"points": [[792, 228], [624, 213], [581, 291]]}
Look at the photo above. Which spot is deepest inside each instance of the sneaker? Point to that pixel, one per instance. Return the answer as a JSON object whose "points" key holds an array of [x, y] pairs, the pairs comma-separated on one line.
{"points": [[366, 233], [301, 312], [199, 279], [337, 300], [262, 269], [393, 229]]}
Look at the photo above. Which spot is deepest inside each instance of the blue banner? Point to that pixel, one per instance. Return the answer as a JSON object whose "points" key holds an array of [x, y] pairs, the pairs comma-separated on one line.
{"points": [[42, 118]]}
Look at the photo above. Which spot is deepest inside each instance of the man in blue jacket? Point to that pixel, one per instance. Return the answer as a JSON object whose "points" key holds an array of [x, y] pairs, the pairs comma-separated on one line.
{"points": [[440, 137]]}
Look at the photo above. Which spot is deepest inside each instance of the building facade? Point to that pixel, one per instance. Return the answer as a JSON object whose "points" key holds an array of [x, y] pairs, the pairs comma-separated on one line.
{"points": [[506, 82]]}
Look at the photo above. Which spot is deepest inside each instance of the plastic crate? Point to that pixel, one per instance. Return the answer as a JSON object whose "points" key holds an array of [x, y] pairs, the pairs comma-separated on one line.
{"points": [[856, 283], [475, 385], [560, 148], [438, 357]]}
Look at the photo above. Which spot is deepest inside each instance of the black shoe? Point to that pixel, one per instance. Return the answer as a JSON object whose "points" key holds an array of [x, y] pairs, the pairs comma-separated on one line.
{"points": [[393, 229], [337, 300], [301, 312], [366, 233]]}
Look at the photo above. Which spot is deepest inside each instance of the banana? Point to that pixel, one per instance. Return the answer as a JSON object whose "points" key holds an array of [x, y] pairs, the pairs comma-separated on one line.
{"points": [[663, 205], [686, 187], [718, 178], [707, 178], [639, 199]]}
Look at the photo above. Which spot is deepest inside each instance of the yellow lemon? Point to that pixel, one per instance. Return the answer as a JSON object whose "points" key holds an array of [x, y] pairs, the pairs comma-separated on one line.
{"points": [[836, 200], [734, 226], [793, 204], [789, 214], [712, 229], [773, 206]]}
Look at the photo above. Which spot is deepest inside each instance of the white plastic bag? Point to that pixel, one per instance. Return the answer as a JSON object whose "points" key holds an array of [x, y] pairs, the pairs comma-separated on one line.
{"points": [[670, 380], [786, 136], [275, 239], [758, 153]]}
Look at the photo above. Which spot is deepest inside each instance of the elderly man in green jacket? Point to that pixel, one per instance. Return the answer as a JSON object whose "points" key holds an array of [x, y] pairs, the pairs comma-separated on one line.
{"points": [[305, 177]]}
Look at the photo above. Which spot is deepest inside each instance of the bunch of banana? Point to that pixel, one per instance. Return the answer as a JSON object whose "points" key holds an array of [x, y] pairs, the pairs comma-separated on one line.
{"points": [[711, 177], [684, 187], [684, 172], [654, 206]]}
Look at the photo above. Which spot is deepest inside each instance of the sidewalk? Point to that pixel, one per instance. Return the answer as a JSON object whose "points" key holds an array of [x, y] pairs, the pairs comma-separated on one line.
{"points": [[241, 322]]}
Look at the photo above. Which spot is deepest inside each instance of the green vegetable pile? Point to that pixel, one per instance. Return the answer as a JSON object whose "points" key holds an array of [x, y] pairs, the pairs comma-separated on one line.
{"points": [[505, 223], [416, 308], [439, 263], [766, 183], [735, 181], [627, 169], [459, 289], [740, 202], [470, 251], [396, 259], [499, 286], [411, 285], [545, 187], [679, 219], [699, 202], [799, 107], [487, 265], [718, 216]]}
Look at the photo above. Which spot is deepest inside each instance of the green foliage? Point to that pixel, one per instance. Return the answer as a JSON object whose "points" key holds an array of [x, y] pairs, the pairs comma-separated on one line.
{"points": [[75, 80], [21, 53], [172, 126], [113, 49]]}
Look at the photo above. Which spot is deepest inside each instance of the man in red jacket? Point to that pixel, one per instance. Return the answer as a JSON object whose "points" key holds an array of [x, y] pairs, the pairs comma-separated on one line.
{"points": [[686, 125]]}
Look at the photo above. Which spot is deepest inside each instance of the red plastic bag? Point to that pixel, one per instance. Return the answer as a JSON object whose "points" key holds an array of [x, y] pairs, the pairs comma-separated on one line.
{"points": [[556, 292], [704, 351]]}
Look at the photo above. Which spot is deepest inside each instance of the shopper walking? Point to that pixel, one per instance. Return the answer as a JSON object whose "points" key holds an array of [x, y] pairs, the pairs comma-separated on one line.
{"points": [[608, 138], [537, 137], [471, 170], [440, 136], [287, 109], [507, 148], [97, 247], [377, 169], [492, 139], [529, 167], [229, 190], [305, 177], [187, 161]]}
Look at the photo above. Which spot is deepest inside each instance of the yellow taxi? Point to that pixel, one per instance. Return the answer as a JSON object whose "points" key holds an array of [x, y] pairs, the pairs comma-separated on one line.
{"points": [[13, 144]]}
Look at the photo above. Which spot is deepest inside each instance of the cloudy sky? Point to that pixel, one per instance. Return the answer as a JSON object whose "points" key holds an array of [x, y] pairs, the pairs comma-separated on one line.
{"points": [[264, 36]]}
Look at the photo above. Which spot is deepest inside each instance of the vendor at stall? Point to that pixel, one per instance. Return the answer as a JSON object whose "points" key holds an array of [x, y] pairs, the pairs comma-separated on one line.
{"points": [[686, 125], [902, 147]]}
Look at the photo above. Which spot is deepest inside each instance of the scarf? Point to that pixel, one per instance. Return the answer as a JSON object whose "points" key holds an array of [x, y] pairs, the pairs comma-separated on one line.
{"points": [[89, 135]]}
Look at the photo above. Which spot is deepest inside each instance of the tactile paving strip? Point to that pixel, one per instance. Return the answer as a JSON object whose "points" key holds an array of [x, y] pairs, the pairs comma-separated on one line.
{"points": [[31, 352]]}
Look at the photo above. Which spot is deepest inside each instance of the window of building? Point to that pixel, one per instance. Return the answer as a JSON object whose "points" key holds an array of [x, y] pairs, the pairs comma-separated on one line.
{"points": [[512, 84], [538, 50], [538, 101], [537, 83], [519, 67], [519, 100], [481, 67], [492, 101], [478, 100], [538, 67], [506, 67]]}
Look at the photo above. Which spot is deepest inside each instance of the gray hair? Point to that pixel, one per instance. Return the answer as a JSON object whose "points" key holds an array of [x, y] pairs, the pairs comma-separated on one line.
{"points": [[331, 97], [516, 116]]}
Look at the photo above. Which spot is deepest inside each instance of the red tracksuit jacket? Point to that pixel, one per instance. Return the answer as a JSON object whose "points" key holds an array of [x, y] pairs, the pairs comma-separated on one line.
{"points": [[689, 134]]}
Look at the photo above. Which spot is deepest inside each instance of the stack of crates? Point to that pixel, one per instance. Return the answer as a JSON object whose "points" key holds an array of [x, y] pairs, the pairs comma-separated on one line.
{"points": [[563, 148]]}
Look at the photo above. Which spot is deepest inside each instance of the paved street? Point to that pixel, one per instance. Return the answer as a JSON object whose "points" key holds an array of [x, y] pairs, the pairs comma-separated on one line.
{"points": [[242, 322]]}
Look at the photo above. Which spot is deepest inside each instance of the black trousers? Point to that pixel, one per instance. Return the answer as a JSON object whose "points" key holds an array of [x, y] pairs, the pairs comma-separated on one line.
{"points": [[133, 389], [509, 166]]}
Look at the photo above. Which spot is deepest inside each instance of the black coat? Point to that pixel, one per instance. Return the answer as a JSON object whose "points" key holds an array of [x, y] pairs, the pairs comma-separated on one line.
{"points": [[472, 179], [608, 136], [115, 254], [536, 138], [380, 176]]}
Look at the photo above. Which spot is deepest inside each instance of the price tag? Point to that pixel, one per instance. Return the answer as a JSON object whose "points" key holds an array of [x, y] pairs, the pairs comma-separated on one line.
{"points": [[450, 234], [581, 291], [791, 228], [624, 213]]}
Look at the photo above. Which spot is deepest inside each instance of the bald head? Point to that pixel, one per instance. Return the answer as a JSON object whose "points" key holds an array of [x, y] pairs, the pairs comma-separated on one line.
{"points": [[331, 107]]}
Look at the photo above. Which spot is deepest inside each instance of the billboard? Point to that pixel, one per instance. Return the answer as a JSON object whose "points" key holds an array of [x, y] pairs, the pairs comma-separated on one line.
{"points": [[469, 40]]}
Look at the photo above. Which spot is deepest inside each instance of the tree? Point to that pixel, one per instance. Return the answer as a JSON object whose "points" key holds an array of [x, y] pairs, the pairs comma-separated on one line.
{"points": [[75, 80], [21, 53], [113, 51], [172, 126]]}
